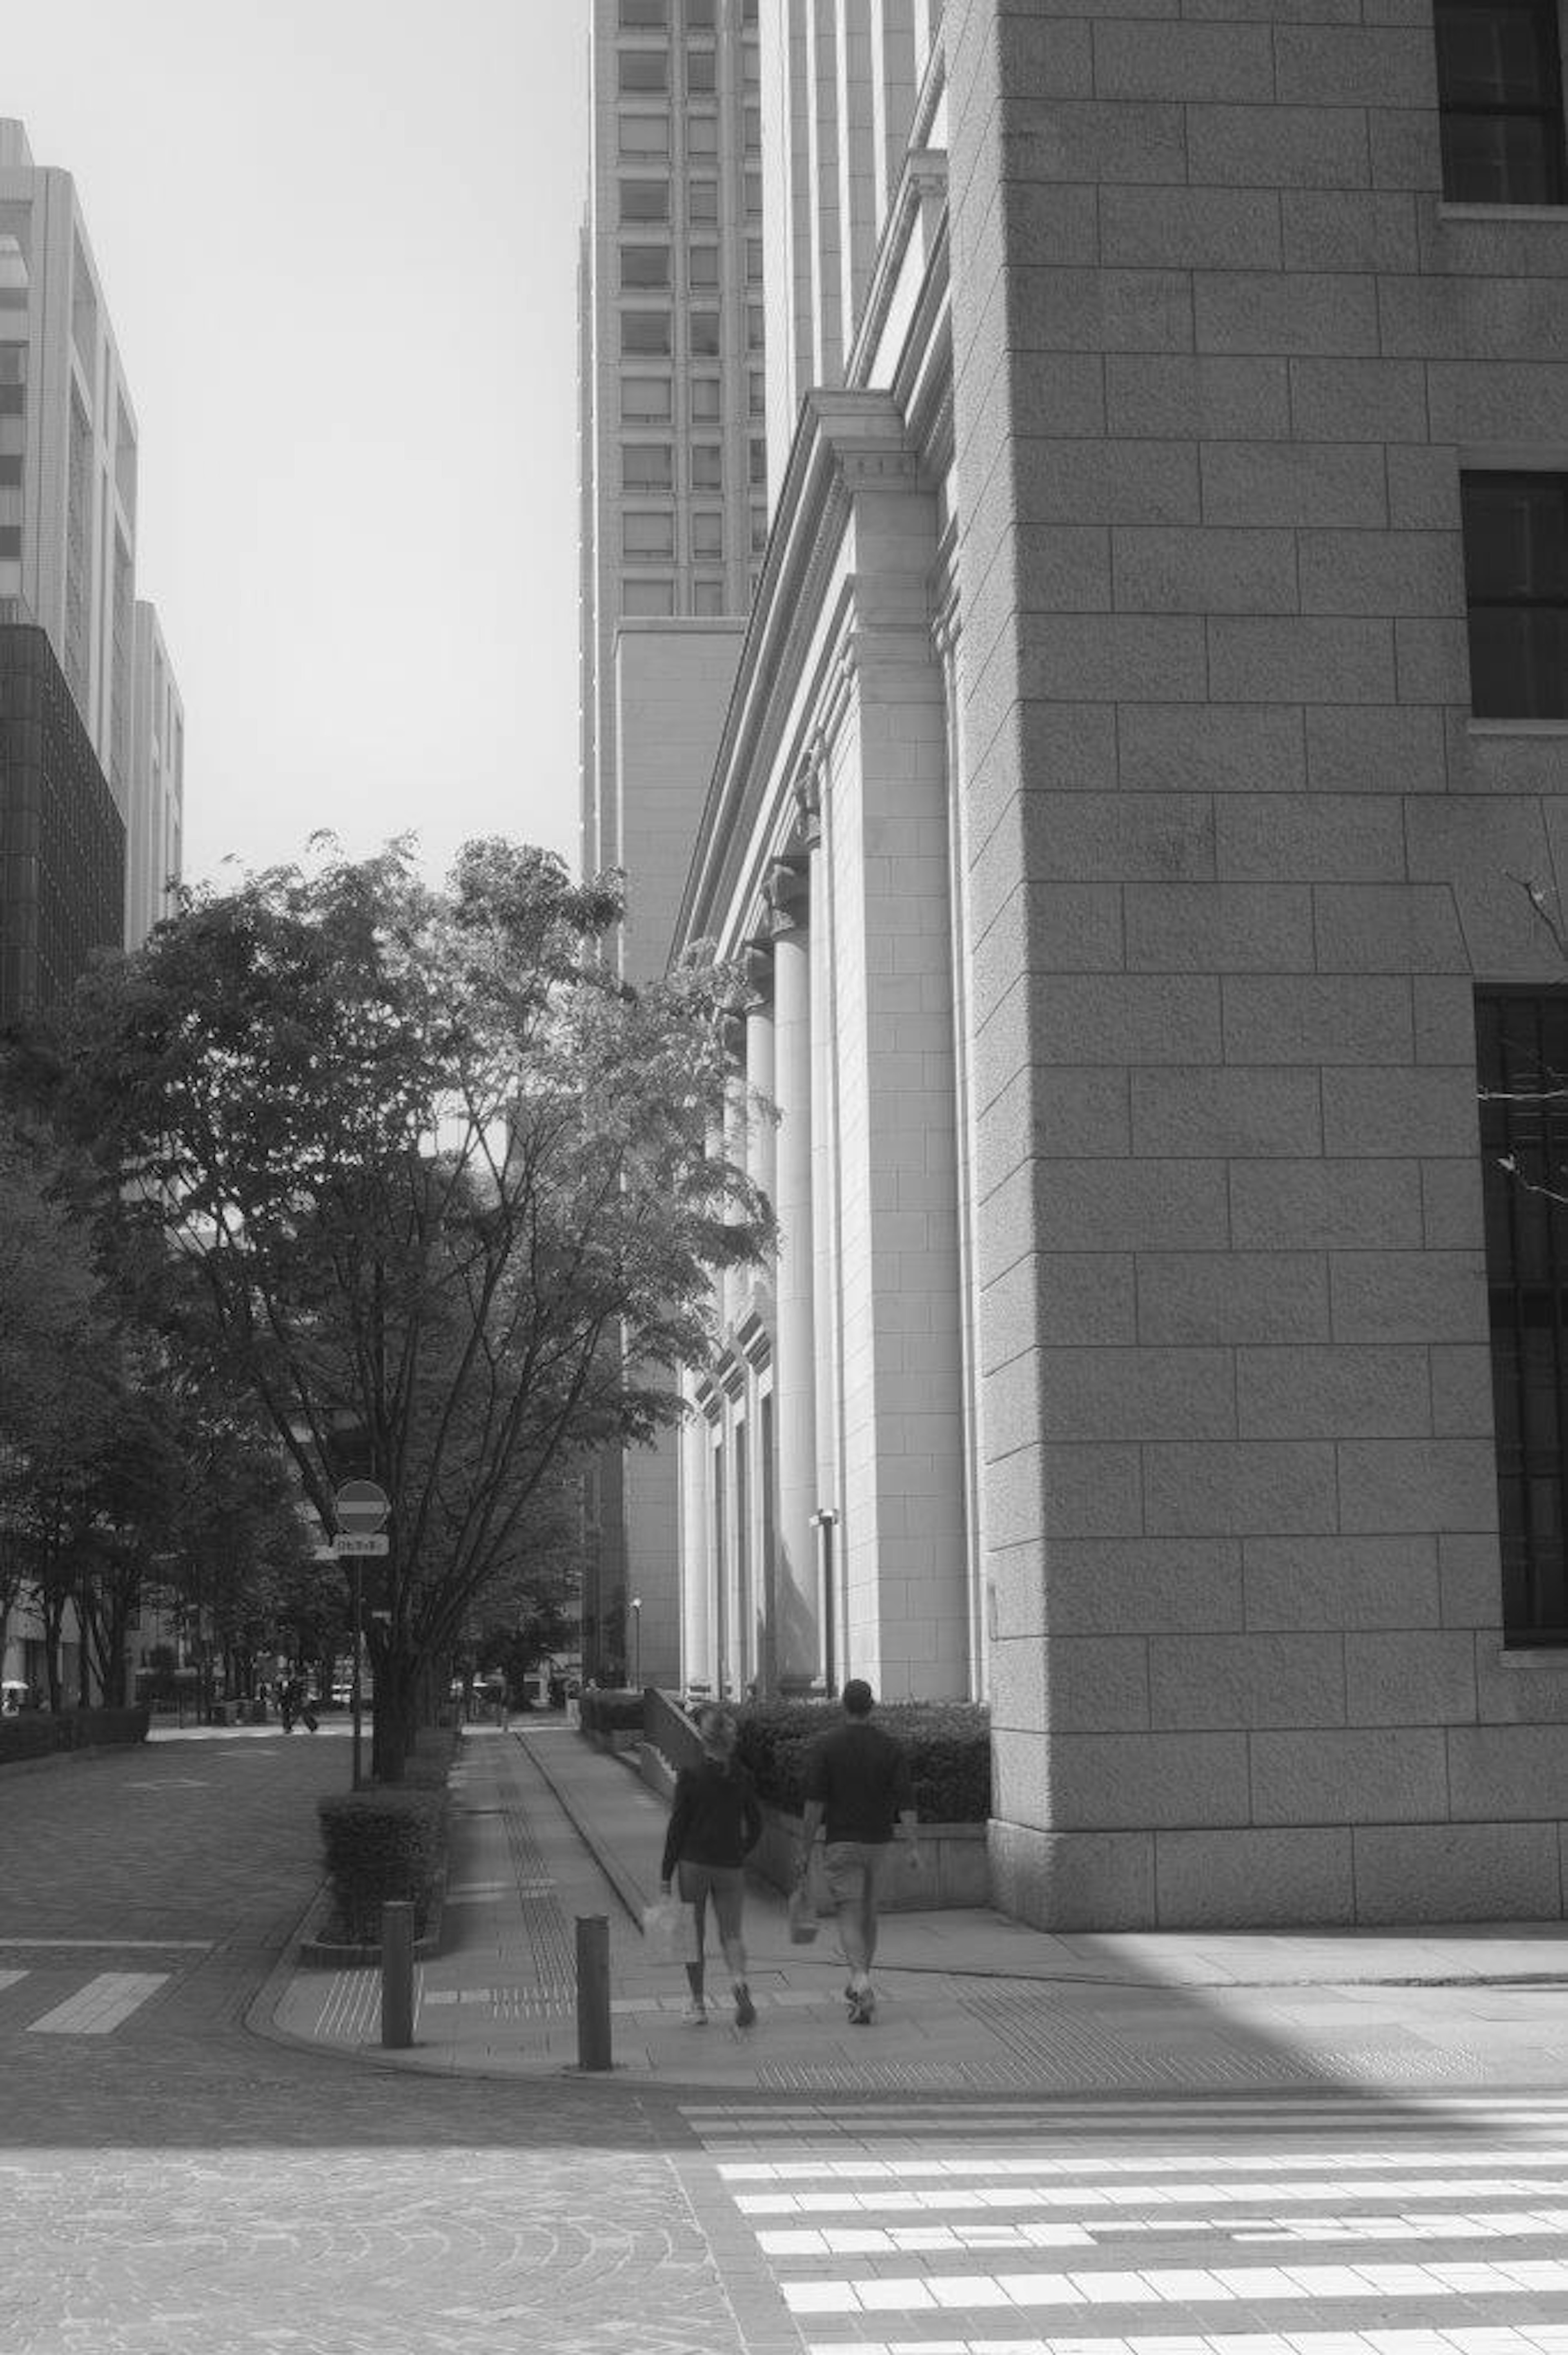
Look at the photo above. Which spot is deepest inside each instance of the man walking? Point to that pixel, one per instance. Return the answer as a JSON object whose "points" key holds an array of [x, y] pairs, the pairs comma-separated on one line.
{"points": [[857, 1791]]}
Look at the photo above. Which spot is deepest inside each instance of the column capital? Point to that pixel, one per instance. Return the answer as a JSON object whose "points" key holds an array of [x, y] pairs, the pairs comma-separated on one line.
{"points": [[789, 894], [756, 970]]}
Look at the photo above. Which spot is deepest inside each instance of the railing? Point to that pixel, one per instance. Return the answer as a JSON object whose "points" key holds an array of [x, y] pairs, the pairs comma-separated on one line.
{"points": [[669, 1730]]}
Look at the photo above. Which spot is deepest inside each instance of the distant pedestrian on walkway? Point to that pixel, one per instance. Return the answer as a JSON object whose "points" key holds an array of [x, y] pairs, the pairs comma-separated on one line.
{"points": [[857, 1792], [715, 1823]]}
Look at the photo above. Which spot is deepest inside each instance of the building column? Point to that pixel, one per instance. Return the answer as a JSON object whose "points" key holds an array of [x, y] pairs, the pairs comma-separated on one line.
{"points": [[798, 1625], [697, 1662]]}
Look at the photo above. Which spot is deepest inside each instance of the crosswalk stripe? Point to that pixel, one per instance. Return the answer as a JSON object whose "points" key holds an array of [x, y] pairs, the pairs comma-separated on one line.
{"points": [[99, 2006], [869, 2217], [9, 1978]]}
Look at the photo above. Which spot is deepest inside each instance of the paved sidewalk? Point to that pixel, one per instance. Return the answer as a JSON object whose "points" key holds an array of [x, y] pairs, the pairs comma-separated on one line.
{"points": [[549, 1829]]}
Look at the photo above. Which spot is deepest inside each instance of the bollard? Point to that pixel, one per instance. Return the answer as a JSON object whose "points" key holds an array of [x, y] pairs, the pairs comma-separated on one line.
{"points": [[593, 1992], [397, 1974]]}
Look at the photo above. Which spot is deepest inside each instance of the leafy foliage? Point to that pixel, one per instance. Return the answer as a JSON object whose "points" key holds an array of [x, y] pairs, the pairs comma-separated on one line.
{"points": [[382, 1847], [421, 1177], [949, 1743]]}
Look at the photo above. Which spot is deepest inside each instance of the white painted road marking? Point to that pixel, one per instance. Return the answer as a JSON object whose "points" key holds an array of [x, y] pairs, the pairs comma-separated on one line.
{"points": [[100, 2004]]}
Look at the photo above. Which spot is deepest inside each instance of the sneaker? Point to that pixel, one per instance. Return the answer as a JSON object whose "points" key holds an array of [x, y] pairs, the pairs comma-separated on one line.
{"points": [[745, 2009], [862, 2004], [697, 2013]]}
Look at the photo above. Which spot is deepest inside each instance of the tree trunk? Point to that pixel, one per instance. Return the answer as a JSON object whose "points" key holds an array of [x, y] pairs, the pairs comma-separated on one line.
{"points": [[395, 1718]]}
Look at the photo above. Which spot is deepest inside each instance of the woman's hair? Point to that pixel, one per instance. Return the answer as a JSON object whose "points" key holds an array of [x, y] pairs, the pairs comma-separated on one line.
{"points": [[710, 1718]]}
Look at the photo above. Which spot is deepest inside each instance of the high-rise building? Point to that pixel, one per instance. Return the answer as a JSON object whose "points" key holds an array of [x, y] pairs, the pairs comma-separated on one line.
{"points": [[62, 840], [672, 450], [67, 491], [1142, 802], [153, 846]]}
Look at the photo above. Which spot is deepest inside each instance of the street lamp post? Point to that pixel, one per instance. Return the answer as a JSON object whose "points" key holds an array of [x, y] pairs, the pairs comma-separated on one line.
{"points": [[636, 1642]]}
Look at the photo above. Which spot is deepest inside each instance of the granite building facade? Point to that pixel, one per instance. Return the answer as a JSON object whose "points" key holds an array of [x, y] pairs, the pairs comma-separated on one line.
{"points": [[1141, 807]]}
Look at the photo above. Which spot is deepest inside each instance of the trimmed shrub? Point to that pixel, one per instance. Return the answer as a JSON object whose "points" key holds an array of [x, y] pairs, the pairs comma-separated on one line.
{"points": [[616, 1711], [381, 1846], [42, 1733], [949, 1743]]}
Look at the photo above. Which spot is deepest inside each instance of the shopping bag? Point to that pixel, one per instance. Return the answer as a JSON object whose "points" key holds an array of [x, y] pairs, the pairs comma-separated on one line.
{"points": [[803, 1923], [669, 1929]]}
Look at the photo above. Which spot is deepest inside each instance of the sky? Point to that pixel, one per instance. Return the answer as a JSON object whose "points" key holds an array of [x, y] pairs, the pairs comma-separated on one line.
{"points": [[338, 243]]}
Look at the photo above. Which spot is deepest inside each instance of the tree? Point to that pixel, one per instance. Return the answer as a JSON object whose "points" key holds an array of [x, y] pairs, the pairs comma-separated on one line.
{"points": [[440, 1184]]}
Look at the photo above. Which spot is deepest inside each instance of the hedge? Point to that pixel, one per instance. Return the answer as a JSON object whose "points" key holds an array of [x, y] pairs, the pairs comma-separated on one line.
{"points": [[42, 1733], [949, 1743], [381, 1846], [617, 1711]]}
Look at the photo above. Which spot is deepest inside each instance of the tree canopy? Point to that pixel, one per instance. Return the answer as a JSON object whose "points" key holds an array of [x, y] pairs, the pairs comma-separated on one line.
{"points": [[416, 1171]]}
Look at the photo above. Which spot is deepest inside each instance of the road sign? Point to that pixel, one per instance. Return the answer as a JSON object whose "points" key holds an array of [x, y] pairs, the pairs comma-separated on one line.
{"points": [[360, 1506], [351, 1541]]}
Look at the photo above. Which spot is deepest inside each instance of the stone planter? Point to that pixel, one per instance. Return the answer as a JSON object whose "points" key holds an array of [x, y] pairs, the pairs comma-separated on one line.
{"points": [[957, 1864]]}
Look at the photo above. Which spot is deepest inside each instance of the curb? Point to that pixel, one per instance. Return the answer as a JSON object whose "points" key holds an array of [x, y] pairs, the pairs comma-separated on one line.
{"points": [[629, 1891]]}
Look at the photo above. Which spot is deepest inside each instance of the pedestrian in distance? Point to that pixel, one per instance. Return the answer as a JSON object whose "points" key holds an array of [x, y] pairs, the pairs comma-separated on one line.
{"points": [[287, 1701], [858, 1793], [715, 1823]]}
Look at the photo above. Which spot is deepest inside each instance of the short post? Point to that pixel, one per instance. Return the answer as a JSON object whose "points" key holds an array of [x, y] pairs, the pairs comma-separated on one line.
{"points": [[593, 1992], [397, 1974]]}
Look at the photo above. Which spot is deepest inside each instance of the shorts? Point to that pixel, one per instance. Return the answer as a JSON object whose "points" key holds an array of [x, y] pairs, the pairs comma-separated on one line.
{"points": [[857, 1870], [724, 1883]]}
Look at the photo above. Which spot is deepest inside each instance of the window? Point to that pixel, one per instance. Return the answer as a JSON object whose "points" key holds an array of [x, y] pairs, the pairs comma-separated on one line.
{"points": [[707, 532], [702, 201], [702, 265], [645, 331], [707, 466], [753, 192], [707, 596], [645, 534], [705, 399], [704, 334], [757, 460], [702, 75], [644, 266], [644, 16], [647, 599], [1500, 97], [699, 16], [754, 327], [751, 125], [645, 398], [755, 392], [754, 260], [701, 136], [645, 200], [1516, 588], [1522, 1055], [644, 134], [759, 531], [648, 467], [641, 70]]}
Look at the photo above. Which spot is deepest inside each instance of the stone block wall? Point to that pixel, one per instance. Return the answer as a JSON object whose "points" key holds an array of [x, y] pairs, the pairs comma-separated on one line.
{"points": [[1239, 857]]}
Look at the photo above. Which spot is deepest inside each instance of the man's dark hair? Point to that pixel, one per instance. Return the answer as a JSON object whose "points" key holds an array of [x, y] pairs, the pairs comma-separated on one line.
{"points": [[857, 1696]]}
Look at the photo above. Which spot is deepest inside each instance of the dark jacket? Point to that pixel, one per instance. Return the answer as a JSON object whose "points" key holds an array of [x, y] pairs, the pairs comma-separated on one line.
{"points": [[714, 1819], [861, 1776]]}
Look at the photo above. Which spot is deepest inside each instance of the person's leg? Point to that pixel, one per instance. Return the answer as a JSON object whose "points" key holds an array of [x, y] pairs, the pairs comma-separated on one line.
{"points": [[844, 1863], [694, 1889], [729, 1899]]}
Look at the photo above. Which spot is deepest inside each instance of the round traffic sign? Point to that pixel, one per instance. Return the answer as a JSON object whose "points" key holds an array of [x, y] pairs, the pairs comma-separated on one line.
{"points": [[360, 1506]]}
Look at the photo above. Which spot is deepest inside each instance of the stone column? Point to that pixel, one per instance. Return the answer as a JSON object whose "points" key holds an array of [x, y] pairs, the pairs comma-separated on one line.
{"points": [[761, 1158], [798, 1622], [697, 1660]]}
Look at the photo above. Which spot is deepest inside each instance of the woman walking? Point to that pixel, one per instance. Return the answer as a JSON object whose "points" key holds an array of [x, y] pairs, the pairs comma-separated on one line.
{"points": [[715, 1823]]}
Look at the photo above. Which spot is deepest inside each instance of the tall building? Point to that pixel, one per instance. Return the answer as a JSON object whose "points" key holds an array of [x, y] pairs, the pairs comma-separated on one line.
{"points": [[1141, 803], [672, 450], [62, 840], [152, 848], [69, 481]]}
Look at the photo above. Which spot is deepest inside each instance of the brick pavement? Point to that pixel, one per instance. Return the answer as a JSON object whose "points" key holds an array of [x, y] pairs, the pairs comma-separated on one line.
{"points": [[970, 2001], [176, 2184]]}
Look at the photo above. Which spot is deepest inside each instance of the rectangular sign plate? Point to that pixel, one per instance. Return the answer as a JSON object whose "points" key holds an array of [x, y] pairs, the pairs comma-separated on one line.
{"points": [[352, 1543]]}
